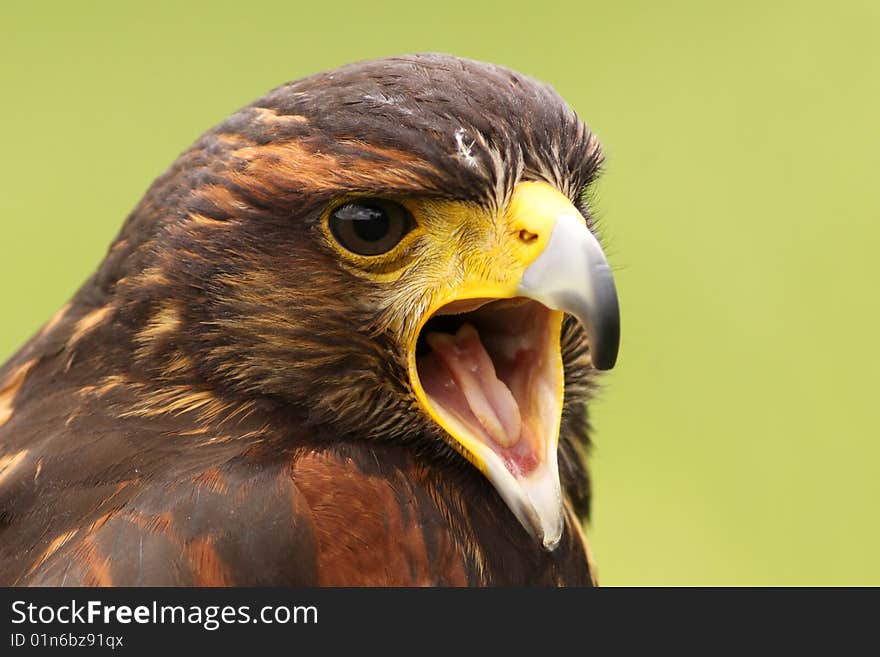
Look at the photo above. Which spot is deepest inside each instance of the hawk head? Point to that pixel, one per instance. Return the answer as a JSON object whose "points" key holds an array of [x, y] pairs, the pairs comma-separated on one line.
{"points": [[396, 250]]}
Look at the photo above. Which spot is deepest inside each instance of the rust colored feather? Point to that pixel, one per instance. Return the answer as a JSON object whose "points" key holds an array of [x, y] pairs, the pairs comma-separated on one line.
{"points": [[224, 403]]}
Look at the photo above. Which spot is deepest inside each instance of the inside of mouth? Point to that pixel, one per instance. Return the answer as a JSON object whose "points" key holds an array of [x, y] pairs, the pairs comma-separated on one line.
{"points": [[490, 370]]}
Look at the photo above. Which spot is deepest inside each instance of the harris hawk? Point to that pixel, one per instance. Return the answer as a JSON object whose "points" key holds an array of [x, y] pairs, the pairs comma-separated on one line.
{"points": [[347, 338]]}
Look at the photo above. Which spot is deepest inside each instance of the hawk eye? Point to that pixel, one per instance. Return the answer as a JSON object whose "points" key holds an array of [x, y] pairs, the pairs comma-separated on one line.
{"points": [[370, 227]]}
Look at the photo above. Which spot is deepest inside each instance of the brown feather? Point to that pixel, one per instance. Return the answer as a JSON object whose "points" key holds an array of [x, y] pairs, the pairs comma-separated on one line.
{"points": [[223, 403]]}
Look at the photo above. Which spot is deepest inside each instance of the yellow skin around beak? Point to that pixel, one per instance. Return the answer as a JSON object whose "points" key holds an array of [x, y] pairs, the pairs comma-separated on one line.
{"points": [[537, 222], [462, 260]]}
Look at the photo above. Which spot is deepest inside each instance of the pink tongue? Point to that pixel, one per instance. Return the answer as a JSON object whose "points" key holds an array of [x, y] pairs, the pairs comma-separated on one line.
{"points": [[494, 406]]}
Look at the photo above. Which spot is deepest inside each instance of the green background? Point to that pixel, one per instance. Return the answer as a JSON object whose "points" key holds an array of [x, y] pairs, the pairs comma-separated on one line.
{"points": [[737, 441]]}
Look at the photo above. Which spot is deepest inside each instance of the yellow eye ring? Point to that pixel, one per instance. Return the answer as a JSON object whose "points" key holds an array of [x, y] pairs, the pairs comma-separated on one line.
{"points": [[370, 227]]}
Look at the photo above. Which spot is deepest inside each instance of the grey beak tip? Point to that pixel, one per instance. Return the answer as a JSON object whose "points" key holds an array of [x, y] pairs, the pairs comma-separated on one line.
{"points": [[604, 355], [606, 362], [603, 321]]}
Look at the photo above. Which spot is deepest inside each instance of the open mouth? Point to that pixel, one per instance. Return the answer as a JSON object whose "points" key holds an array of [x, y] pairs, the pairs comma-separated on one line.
{"points": [[486, 363], [491, 372]]}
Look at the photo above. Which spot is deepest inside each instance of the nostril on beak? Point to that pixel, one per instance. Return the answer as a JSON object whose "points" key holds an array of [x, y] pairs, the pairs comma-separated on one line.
{"points": [[527, 236]]}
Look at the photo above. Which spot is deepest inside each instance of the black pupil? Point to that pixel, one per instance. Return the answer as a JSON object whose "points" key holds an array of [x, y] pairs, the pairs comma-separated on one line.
{"points": [[370, 224]]}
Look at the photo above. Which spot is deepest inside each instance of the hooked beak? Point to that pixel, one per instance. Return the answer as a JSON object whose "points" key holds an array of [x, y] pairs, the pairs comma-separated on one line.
{"points": [[571, 274], [487, 364]]}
